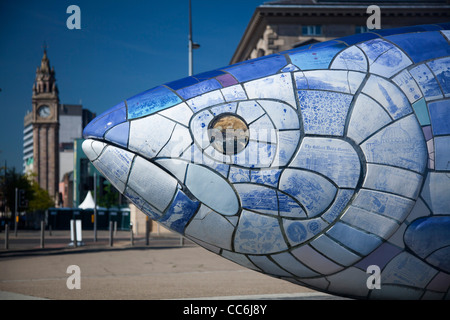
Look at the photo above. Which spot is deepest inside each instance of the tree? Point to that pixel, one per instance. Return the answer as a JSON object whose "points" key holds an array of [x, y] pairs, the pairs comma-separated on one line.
{"points": [[38, 198]]}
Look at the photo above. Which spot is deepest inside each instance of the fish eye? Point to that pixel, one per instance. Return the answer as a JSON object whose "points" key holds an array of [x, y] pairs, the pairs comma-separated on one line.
{"points": [[228, 133]]}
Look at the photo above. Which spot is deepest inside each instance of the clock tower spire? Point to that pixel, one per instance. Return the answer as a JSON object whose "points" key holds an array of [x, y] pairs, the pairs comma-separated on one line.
{"points": [[45, 101]]}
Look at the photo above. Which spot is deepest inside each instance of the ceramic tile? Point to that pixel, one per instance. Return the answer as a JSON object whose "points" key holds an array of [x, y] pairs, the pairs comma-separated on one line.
{"points": [[313, 191], [351, 58], [442, 155], [439, 114], [324, 112], [276, 87], [367, 117], [151, 101], [388, 95], [435, 192], [254, 69], [152, 184], [427, 82], [206, 186], [334, 158], [258, 234], [149, 145], [399, 144]]}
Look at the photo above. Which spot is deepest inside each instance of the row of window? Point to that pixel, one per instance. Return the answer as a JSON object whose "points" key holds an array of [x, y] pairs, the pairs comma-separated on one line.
{"points": [[316, 30]]}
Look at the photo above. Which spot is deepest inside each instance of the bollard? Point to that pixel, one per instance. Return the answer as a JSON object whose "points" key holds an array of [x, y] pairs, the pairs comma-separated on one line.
{"points": [[147, 231], [131, 234], [111, 233], [6, 236], [74, 228], [42, 234]]}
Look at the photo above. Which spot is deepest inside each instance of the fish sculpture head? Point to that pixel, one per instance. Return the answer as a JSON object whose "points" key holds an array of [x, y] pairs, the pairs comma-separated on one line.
{"points": [[303, 165]]}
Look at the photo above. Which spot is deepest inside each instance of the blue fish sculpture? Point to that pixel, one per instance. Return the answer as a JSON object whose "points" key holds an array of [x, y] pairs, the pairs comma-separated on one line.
{"points": [[326, 165]]}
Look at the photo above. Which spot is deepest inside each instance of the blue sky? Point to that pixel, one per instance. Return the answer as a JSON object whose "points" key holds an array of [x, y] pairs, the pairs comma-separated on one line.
{"points": [[122, 48]]}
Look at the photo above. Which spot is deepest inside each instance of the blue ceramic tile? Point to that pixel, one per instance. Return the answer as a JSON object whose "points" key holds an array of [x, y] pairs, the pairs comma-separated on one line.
{"points": [[385, 204], [150, 145], [212, 228], [267, 177], [380, 257], [299, 231], [288, 207], [199, 88], [359, 241], [319, 58], [179, 213], [119, 134], [283, 116], [376, 224], [181, 83], [293, 265], [413, 46], [268, 266], [257, 69], [276, 87], [425, 235], [401, 271], [331, 249], [389, 63], [408, 85], [258, 198], [258, 234], [442, 153], [435, 192], [399, 144], [143, 205], [343, 196], [152, 183], [208, 75], [315, 260], [388, 95], [334, 158], [439, 114], [350, 59], [286, 146], [333, 80], [367, 117], [239, 175], [421, 111], [356, 38], [151, 101], [105, 121], [441, 69], [115, 163], [211, 189], [313, 191], [324, 112], [393, 180], [427, 82]]}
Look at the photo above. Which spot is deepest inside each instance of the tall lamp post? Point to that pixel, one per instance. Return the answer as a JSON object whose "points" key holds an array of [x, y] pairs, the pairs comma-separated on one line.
{"points": [[192, 45]]}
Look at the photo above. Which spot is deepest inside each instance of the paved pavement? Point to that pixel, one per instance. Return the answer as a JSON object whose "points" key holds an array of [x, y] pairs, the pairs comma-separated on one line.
{"points": [[161, 270]]}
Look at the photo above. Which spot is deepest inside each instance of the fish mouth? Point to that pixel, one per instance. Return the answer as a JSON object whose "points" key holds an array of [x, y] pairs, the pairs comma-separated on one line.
{"points": [[153, 189]]}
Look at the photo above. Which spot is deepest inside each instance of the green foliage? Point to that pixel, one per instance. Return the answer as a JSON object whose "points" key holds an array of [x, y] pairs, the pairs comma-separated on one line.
{"points": [[110, 197], [38, 198]]}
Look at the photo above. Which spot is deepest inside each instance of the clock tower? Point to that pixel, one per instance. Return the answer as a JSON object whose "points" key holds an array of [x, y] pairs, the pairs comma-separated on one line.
{"points": [[45, 122]]}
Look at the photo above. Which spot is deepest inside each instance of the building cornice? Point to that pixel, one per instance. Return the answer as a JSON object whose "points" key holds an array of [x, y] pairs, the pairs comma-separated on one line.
{"points": [[265, 14]]}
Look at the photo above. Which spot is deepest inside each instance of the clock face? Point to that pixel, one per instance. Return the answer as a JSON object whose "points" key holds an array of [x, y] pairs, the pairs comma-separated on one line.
{"points": [[44, 111]]}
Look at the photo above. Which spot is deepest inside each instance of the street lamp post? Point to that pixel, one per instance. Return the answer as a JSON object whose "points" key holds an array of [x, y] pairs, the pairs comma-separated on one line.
{"points": [[192, 45]]}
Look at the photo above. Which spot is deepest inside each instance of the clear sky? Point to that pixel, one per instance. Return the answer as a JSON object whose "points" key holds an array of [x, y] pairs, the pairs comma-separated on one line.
{"points": [[122, 48]]}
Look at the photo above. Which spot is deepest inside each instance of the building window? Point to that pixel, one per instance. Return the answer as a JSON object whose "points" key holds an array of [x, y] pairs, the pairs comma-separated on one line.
{"points": [[361, 29], [312, 30]]}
